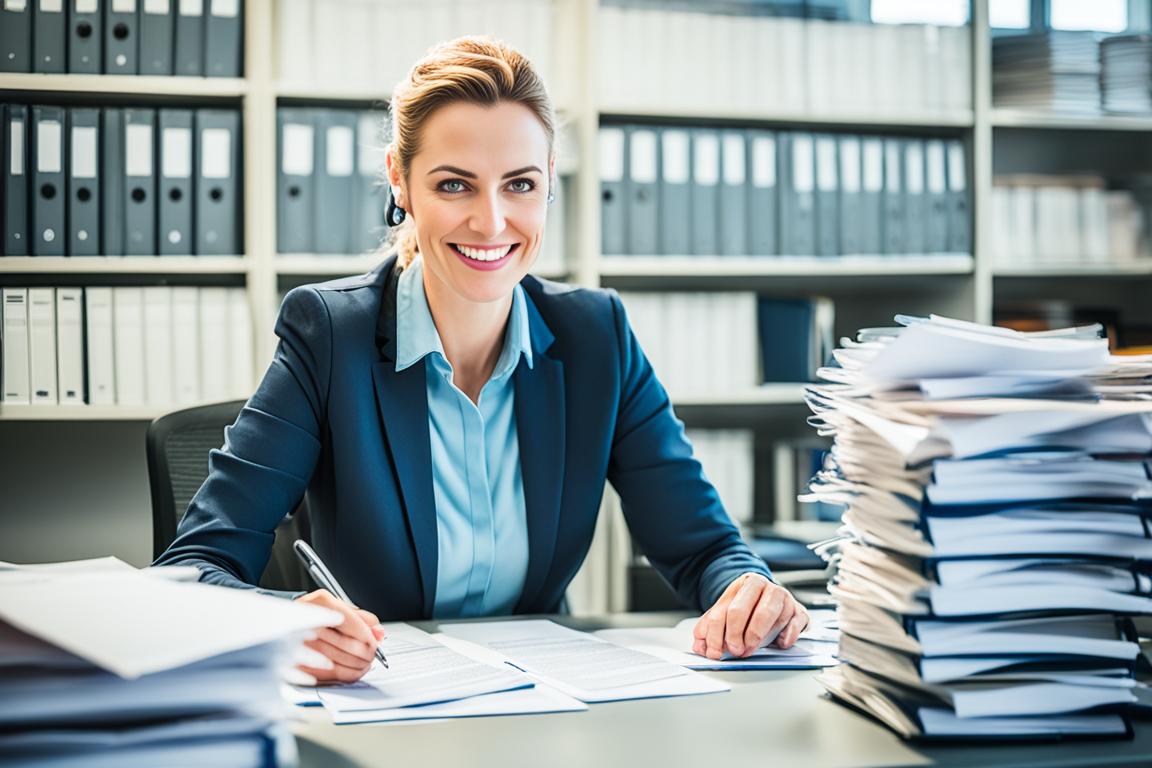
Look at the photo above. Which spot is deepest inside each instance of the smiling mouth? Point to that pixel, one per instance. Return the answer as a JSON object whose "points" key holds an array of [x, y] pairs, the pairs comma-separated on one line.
{"points": [[484, 254]]}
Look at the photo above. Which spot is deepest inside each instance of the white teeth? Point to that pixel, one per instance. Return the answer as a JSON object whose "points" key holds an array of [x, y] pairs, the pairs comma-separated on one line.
{"points": [[484, 254]]}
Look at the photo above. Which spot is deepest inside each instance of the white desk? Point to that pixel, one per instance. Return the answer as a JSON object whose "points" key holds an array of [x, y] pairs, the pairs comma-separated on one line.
{"points": [[779, 719]]}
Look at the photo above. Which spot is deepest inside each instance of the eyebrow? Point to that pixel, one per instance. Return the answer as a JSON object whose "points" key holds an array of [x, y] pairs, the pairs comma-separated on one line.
{"points": [[470, 175]]}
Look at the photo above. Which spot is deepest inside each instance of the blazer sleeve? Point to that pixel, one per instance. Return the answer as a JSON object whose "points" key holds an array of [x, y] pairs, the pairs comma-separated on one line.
{"points": [[260, 474], [673, 512]]}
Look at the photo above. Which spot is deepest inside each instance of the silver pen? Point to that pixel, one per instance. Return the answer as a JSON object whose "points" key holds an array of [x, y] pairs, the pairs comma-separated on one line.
{"points": [[325, 580]]}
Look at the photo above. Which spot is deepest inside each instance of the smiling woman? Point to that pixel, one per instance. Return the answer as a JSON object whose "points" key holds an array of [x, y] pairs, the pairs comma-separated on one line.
{"points": [[452, 419]]}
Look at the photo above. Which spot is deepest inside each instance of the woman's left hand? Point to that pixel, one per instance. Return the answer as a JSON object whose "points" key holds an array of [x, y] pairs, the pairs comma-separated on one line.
{"points": [[751, 610]]}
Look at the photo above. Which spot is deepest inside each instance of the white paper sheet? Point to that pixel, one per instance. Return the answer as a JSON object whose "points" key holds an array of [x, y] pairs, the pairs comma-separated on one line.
{"points": [[420, 671], [581, 665]]}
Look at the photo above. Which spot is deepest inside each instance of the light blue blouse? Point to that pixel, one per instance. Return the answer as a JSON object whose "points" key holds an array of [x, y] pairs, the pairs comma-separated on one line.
{"points": [[479, 492]]}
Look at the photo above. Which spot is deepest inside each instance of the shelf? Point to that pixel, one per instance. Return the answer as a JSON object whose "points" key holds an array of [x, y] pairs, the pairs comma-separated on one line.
{"points": [[216, 87], [1021, 118], [1075, 270], [783, 266], [332, 94], [873, 120], [124, 265], [769, 394], [83, 412]]}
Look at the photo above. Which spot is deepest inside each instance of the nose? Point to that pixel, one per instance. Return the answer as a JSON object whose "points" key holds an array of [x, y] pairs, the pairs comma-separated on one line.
{"points": [[487, 216]]}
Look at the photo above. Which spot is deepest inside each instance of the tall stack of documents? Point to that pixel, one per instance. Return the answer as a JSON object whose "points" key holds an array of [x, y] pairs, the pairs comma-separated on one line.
{"points": [[995, 541], [1057, 71], [1126, 74], [101, 664], [202, 38]]}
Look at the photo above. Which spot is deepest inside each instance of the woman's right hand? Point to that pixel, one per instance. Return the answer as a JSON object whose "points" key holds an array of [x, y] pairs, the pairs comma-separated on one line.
{"points": [[350, 645]]}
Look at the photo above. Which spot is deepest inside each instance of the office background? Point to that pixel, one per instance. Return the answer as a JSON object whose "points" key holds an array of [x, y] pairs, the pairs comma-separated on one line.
{"points": [[965, 170]]}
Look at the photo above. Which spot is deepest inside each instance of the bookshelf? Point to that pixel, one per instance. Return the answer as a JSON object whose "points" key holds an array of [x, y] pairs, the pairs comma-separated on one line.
{"points": [[964, 284]]}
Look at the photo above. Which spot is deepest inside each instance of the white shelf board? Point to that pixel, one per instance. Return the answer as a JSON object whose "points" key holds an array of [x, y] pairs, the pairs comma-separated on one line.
{"points": [[1023, 118], [782, 266], [964, 119], [82, 412], [768, 394], [332, 93], [125, 265], [1075, 270], [224, 87], [324, 264]]}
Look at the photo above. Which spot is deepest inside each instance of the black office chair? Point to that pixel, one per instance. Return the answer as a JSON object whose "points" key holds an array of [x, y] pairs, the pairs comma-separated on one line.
{"points": [[177, 446]]}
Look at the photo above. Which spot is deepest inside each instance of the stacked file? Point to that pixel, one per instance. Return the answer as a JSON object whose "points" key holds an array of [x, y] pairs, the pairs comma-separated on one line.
{"points": [[1056, 71], [123, 37], [832, 67], [104, 665], [322, 42], [82, 181], [156, 346], [1043, 221], [1126, 74], [994, 536], [705, 191]]}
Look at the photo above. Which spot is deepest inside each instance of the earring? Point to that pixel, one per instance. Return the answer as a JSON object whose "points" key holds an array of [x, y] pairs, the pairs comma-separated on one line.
{"points": [[551, 191], [394, 216]]}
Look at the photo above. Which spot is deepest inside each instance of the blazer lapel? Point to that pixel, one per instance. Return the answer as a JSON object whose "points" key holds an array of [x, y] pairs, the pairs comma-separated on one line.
{"points": [[540, 430], [402, 402]]}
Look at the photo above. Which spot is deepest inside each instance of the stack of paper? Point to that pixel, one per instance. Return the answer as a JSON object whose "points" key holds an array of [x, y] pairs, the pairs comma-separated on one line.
{"points": [[1056, 71], [1126, 76], [994, 543], [101, 664]]}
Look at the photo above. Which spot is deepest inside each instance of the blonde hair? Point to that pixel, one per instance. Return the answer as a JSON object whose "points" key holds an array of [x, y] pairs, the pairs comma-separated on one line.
{"points": [[474, 70]]}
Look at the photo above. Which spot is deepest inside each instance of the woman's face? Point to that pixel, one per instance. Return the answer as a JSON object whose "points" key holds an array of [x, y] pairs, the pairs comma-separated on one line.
{"points": [[477, 192]]}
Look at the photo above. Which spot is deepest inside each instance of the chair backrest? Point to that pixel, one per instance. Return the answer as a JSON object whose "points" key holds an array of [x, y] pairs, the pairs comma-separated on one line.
{"points": [[178, 444]]}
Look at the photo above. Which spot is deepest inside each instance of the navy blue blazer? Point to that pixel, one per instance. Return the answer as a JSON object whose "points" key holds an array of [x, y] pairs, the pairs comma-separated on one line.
{"points": [[334, 419]]}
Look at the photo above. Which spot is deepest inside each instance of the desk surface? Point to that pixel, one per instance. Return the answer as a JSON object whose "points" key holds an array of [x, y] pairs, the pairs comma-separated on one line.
{"points": [[779, 718]]}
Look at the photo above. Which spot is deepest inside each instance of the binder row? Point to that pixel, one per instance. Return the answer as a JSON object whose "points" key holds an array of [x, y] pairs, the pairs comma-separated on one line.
{"points": [[728, 457], [192, 38], [1039, 221], [339, 41], [714, 344], [752, 192], [329, 185], [694, 60], [134, 346], [108, 181]]}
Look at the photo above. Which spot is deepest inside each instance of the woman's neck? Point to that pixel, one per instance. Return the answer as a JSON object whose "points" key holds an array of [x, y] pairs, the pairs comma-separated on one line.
{"points": [[472, 333]]}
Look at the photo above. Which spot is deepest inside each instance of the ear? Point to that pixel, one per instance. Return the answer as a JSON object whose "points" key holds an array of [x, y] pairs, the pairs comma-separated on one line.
{"points": [[395, 180]]}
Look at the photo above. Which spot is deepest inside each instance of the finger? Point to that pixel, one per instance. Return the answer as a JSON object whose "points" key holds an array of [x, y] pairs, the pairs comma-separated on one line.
{"points": [[714, 637], [337, 655], [699, 635], [786, 612], [368, 617], [352, 624], [791, 633], [764, 619], [338, 674], [739, 612], [348, 645]]}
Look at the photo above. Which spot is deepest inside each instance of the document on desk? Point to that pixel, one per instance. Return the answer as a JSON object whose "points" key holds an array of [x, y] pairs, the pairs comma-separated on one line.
{"points": [[420, 671], [581, 665], [816, 647]]}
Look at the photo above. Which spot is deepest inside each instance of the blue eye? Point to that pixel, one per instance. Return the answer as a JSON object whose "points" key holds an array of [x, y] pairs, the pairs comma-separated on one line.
{"points": [[522, 185], [451, 186]]}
